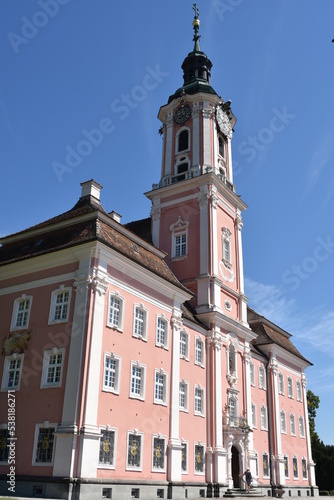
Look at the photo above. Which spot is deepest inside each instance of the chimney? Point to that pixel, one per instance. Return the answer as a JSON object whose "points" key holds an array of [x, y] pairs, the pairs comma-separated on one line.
{"points": [[91, 188], [115, 216]]}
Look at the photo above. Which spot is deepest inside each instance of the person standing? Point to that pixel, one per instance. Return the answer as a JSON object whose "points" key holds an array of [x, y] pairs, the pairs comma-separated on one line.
{"points": [[248, 478]]}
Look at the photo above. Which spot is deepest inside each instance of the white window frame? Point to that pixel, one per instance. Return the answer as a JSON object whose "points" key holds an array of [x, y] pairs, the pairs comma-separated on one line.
{"points": [[295, 463], [177, 141], [186, 355], [111, 466], [53, 305], [301, 426], [201, 350], [46, 366], [162, 318], [298, 391], [45, 425], [164, 377], [290, 387], [185, 384], [283, 422], [286, 467], [118, 365], [252, 373], [6, 369], [226, 246], [304, 477], [262, 373], [179, 228], [162, 438], [142, 368], [254, 415], [137, 321], [292, 421], [263, 418], [16, 312], [198, 389], [112, 324], [265, 454], [141, 435], [197, 472], [281, 383], [186, 445]]}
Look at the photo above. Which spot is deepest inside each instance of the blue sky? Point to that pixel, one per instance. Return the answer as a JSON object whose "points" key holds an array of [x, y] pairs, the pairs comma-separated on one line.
{"points": [[70, 67]]}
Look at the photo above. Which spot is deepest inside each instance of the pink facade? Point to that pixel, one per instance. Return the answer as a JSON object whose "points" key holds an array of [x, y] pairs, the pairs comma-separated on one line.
{"points": [[136, 367]]}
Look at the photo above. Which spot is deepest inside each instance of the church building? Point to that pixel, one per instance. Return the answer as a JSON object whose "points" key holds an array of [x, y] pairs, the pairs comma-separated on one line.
{"points": [[130, 363]]}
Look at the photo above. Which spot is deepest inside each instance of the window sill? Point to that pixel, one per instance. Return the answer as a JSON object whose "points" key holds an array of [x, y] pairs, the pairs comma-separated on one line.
{"points": [[110, 391], [181, 257]]}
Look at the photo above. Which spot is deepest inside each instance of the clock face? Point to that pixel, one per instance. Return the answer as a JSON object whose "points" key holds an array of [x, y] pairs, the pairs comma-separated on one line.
{"points": [[182, 114]]}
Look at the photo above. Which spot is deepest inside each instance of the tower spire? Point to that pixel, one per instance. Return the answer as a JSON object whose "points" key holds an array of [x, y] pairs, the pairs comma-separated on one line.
{"points": [[196, 24]]}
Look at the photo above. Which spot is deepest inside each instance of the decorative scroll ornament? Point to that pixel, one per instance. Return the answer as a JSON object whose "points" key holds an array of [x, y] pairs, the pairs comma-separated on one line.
{"points": [[106, 446], [45, 443], [223, 123], [133, 449], [226, 272]]}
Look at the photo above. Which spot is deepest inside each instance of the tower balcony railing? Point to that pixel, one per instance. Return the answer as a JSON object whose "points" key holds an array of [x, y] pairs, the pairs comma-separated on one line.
{"points": [[167, 180]]}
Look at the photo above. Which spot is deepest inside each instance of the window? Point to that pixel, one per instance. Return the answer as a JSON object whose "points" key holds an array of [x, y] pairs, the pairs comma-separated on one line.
{"points": [[290, 388], [111, 373], [263, 415], [286, 466], [301, 427], [281, 383], [253, 415], [184, 457], [60, 305], [52, 367], [137, 389], [199, 458], [179, 239], [159, 452], [162, 332], [44, 443], [252, 374], [115, 311], [283, 422], [160, 387], [292, 425], [184, 345], [262, 380], [183, 143], [134, 447], [107, 448], [298, 391], [221, 146], [12, 371], [199, 352], [226, 245], [232, 359], [4, 436], [183, 395], [265, 462], [304, 468], [140, 322], [233, 409], [199, 400], [21, 312], [295, 467]]}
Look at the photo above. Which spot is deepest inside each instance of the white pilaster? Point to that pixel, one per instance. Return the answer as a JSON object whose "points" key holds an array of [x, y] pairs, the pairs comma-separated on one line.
{"points": [[247, 360], [275, 422], [89, 433], [169, 146], [195, 138], [67, 430], [155, 221], [229, 156], [174, 442], [204, 285], [207, 120], [311, 464], [242, 299]]}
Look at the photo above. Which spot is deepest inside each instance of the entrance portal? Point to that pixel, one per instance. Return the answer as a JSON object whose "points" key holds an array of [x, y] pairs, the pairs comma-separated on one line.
{"points": [[235, 467]]}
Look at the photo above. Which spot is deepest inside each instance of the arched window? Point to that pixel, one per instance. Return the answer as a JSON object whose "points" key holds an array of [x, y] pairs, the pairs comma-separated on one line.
{"points": [[221, 143], [183, 141], [232, 362]]}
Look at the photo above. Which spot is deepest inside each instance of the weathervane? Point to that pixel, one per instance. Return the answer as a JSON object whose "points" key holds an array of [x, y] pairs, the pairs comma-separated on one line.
{"points": [[196, 10]]}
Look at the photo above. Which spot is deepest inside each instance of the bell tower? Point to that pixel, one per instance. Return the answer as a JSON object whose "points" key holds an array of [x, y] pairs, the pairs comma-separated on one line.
{"points": [[196, 213]]}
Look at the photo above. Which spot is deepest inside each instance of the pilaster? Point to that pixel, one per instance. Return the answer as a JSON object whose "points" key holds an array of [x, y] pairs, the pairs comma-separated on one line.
{"points": [[310, 463]]}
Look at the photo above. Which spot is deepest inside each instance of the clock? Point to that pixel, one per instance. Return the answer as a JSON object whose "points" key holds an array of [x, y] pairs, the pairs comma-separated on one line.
{"points": [[182, 114], [223, 122]]}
